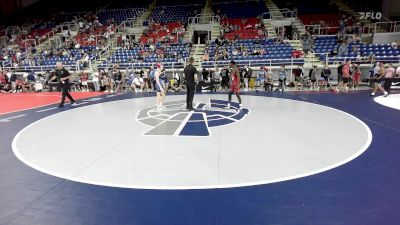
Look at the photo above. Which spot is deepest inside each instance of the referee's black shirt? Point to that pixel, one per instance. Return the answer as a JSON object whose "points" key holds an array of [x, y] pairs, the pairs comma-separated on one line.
{"points": [[61, 74], [190, 71]]}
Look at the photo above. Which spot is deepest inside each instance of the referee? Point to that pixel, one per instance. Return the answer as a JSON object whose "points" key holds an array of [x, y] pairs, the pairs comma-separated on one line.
{"points": [[62, 75], [190, 72]]}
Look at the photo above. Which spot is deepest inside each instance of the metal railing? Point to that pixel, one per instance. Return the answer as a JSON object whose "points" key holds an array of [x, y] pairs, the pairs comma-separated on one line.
{"points": [[135, 65], [203, 19], [372, 28], [259, 62], [392, 26], [131, 23], [286, 13], [102, 54], [319, 30], [329, 60], [13, 30], [49, 34], [28, 42], [68, 25], [72, 67], [288, 62]]}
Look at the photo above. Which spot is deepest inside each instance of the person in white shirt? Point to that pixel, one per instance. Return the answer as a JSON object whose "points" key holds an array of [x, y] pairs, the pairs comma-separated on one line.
{"points": [[138, 84], [395, 44], [95, 79], [235, 52]]}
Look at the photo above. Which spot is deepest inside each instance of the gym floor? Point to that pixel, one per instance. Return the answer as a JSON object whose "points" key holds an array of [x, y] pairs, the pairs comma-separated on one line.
{"points": [[284, 158]]}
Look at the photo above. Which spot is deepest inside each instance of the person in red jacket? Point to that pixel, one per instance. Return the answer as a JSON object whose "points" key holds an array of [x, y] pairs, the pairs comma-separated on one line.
{"points": [[356, 76]]}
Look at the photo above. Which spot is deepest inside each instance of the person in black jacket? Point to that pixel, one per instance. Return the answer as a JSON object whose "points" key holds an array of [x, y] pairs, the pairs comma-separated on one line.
{"points": [[62, 76], [247, 77], [190, 72], [225, 78], [340, 72], [204, 74]]}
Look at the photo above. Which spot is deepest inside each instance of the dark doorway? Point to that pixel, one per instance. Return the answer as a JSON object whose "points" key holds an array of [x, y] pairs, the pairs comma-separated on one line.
{"points": [[201, 36]]}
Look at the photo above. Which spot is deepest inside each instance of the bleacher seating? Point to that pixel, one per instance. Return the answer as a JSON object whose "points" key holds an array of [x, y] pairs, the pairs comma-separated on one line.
{"points": [[382, 52], [127, 58], [242, 14], [248, 28], [49, 63], [242, 9], [329, 23], [178, 2], [332, 20], [85, 38], [25, 40], [308, 7], [313, 12], [169, 14], [119, 15], [158, 33], [275, 54]]}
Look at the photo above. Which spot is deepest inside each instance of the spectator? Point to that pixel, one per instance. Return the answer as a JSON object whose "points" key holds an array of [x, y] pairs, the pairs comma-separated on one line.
{"points": [[342, 49], [247, 77], [379, 75], [325, 74], [282, 79], [313, 77], [398, 71], [390, 73], [84, 81], [96, 80], [268, 82], [298, 74], [138, 84], [13, 81], [205, 74], [235, 52], [106, 81], [261, 76], [356, 50], [6, 89], [307, 44], [395, 44], [345, 76], [120, 80], [356, 76], [31, 80], [225, 78], [342, 24], [206, 56]]}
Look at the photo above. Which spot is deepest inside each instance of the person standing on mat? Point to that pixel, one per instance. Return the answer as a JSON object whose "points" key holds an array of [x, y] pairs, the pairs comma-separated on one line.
{"points": [[388, 78], [235, 84], [160, 89], [62, 76], [379, 81], [190, 75]]}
